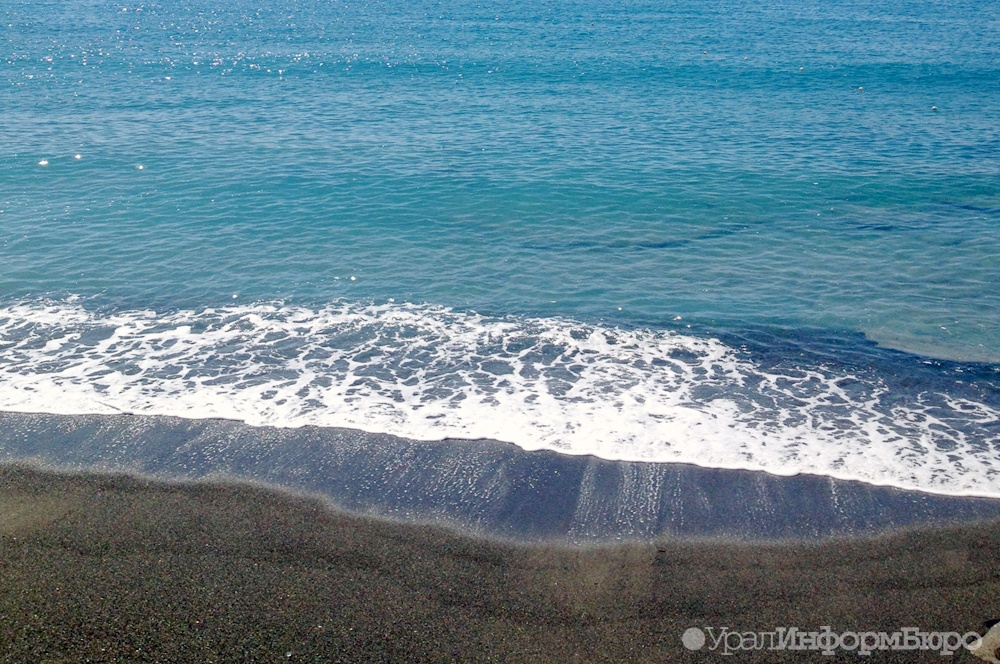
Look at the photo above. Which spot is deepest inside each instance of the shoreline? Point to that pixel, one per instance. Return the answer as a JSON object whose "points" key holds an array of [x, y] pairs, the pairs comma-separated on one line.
{"points": [[112, 567], [483, 487]]}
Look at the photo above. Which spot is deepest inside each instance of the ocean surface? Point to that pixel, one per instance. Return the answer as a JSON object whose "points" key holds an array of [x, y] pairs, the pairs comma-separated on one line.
{"points": [[741, 235]]}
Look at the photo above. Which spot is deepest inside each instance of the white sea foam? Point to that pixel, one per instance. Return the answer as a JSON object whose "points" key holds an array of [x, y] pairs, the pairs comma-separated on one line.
{"points": [[430, 373]]}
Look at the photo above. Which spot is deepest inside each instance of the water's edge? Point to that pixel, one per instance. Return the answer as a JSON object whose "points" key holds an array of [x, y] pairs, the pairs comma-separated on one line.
{"points": [[784, 402], [481, 486]]}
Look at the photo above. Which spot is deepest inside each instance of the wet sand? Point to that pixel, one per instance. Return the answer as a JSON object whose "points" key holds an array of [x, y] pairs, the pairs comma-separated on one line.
{"points": [[114, 568], [485, 487]]}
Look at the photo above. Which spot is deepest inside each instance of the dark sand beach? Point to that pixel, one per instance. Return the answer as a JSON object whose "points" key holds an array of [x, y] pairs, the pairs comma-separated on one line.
{"points": [[109, 568]]}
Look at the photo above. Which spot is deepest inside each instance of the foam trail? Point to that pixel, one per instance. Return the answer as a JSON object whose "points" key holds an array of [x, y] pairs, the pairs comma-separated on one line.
{"points": [[428, 373]]}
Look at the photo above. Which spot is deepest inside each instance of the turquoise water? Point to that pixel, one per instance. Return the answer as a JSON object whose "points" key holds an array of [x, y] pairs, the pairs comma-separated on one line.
{"points": [[734, 235]]}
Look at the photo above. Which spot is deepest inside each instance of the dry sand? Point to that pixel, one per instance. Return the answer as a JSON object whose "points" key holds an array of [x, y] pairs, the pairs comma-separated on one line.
{"points": [[114, 568]]}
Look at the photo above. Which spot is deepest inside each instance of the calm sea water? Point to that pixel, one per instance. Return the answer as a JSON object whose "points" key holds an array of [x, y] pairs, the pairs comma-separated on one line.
{"points": [[733, 234]]}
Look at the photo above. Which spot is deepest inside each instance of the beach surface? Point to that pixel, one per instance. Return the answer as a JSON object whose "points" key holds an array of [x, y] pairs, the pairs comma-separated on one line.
{"points": [[100, 567]]}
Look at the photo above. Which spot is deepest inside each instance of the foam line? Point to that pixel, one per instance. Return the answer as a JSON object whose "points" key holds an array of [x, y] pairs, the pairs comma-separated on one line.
{"points": [[429, 373]]}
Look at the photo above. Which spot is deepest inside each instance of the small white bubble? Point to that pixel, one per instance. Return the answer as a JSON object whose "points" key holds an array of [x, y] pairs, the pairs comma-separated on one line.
{"points": [[235, 295], [354, 278], [139, 167], [78, 156], [43, 162]]}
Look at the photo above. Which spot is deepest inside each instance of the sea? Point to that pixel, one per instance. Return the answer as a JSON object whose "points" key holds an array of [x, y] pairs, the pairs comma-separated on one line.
{"points": [[737, 235]]}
